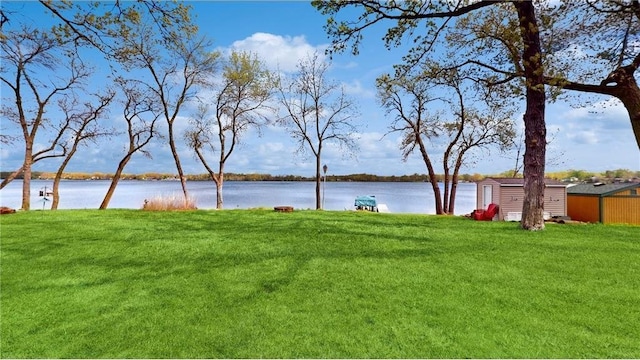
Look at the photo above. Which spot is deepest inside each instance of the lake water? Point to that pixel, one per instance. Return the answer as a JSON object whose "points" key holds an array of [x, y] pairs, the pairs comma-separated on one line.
{"points": [[399, 197]]}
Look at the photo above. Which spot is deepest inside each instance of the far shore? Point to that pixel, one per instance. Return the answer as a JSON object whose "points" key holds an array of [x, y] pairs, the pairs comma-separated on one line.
{"points": [[569, 176]]}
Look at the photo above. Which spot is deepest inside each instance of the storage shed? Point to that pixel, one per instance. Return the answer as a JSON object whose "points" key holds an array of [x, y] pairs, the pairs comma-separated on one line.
{"points": [[605, 203], [508, 194]]}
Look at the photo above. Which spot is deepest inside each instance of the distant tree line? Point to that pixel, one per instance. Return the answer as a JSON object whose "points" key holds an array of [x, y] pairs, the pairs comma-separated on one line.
{"points": [[570, 175]]}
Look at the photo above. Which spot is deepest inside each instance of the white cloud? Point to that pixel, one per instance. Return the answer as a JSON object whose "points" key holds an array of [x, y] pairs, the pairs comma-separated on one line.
{"points": [[575, 114], [597, 136], [356, 88], [278, 52], [604, 121], [584, 137]]}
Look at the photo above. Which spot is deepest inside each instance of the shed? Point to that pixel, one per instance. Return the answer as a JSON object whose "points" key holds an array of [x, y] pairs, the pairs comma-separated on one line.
{"points": [[508, 194], [605, 203]]}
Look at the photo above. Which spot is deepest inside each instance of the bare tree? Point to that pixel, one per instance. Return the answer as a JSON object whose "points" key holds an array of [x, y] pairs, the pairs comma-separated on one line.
{"points": [[317, 111], [459, 131], [140, 130], [239, 99], [37, 68], [82, 125], [154, 36], [176, 66], [470, 129], [409, 100]]}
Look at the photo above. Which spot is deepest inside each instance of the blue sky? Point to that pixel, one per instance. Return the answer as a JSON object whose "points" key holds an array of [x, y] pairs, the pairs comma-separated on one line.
{"points": [[595, 137]]}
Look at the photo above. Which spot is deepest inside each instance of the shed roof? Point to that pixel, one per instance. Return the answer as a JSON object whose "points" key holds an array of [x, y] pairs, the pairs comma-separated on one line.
{"points": [[520, 182], [600, 188]]}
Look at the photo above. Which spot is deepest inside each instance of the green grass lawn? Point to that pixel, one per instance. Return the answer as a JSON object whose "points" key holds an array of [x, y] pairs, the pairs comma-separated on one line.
{"points": [[313, 284]]}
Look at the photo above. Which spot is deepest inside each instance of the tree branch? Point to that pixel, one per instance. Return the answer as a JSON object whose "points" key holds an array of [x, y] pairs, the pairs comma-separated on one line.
{"points": [[443, 14]]}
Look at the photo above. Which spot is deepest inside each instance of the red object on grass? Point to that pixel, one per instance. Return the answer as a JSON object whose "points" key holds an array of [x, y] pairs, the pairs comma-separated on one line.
{"points": [[478, 214], [486, 215], [491, 211]]}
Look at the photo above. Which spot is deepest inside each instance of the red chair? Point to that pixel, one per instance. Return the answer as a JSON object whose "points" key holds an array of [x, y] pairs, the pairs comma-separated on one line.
{"points": [[491, 211], [478, 214], [485, 215]]}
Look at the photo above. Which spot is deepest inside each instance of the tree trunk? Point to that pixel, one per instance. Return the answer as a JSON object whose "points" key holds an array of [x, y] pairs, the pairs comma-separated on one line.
{"points": [[114, 181], [447, 185], [219, 182], [56, 180], [176, 158], [318, 182], [56, 195], [26, 185], [433, 179], [626, 89], [454, 183], [11, 177], [26, 175], [631, 101], [452, 194], [534, 121], [217, 179]]}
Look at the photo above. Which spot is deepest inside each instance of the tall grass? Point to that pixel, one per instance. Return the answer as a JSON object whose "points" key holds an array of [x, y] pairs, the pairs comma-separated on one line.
{"points": [[169, 202], [307, 284]]}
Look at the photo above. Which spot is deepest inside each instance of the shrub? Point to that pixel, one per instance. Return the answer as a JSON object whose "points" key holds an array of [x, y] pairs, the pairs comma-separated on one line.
{"points": [[170, 202]]}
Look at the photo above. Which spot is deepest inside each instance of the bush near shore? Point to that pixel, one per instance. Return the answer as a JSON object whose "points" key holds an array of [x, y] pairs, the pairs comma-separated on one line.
{"points": [[313, 284]]}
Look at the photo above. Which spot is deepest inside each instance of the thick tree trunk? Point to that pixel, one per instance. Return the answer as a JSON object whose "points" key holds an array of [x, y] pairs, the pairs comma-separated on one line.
{"points": [[631, 102], [626, 89], [534, 121], [26, 176], [26, 185], [219, 182]]}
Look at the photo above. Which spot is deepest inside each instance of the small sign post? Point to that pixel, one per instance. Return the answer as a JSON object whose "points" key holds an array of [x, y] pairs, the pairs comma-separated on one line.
{"points": [[44, 193]]}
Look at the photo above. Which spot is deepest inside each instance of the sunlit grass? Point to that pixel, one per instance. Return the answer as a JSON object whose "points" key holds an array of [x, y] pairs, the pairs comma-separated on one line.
{"points": [[313, 284]]}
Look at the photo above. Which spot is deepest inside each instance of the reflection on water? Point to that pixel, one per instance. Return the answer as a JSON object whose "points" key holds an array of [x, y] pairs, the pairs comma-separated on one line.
{"points": [[399, 197]]}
